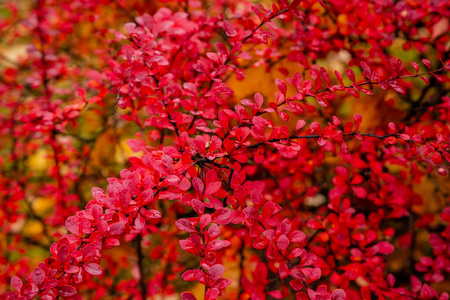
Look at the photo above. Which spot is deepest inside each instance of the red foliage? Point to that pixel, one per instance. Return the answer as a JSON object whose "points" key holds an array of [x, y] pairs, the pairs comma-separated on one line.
{"points": [[312, 204]]}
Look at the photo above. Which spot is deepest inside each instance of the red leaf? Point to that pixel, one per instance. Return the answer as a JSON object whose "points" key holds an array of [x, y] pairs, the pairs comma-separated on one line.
{"points": [[296, 252], [130, 27], [29, 290], [281, 85], [198, 185], [427, 63], [358, 119], [283, 270], [212, 188], [198, 206], [50, 283], [214, 273], [187, 296], [425, 79], [438, 78], [185, 225], [66, 291], [284, 116], [367, 72], [139, 222], [188, 275], [385, 248], [300, 124], [350, 74], [214, 231], [172, 179], [297, 236], [297, 285], [314, 224], [436, 158], [390, 140], [353, 92], [16, 283], [88, 251], [212, 294], [286, 151], [204, 221], [63, 251], [294, 4], [348, 127], [360, 192], [416, 284], [244, 55], [221, 216], [322, 101], [116, 228], [92, 268], [215, 245], [397, 88], [415, 66], [38, 276], [229, 30], [72, 225], [151, 214], [338, 295], [259, 99], [200, 276], [71, 269], [392, 127], [283, 242]]}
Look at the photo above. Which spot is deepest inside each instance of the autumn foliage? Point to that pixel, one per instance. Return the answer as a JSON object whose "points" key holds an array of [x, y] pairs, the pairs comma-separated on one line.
{"points": [[224, 149]]}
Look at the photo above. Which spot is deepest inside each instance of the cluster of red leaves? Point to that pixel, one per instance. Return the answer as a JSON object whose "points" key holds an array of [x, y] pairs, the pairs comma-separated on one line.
{"points": [[317, 208]]}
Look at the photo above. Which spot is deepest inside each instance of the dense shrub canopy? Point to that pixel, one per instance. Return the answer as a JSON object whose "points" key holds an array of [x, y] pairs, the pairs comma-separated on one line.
{"points": [[224, 149]]}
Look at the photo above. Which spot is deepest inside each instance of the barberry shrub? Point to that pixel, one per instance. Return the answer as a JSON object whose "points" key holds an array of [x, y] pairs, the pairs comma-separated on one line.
{"points": [[273, 150]]}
